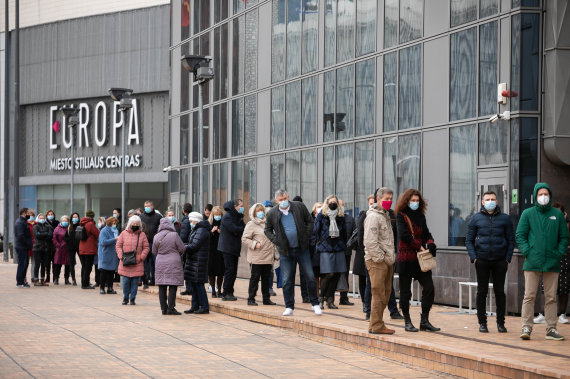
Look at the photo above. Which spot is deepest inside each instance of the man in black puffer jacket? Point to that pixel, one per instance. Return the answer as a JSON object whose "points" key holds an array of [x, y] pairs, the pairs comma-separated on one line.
{"points": [[490, 242], [231, 230], [151, 221], [196, 266]]}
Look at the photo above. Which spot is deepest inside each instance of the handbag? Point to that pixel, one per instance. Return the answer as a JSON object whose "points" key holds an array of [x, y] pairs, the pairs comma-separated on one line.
{"points": [[130, 257], [352, 243], [425, 259]]}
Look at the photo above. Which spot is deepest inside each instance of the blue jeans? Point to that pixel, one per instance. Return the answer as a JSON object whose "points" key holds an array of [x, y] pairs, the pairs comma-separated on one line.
{"points": [[130, 287], [288, 270], [199, 297], [23, 261], [392, 304]]}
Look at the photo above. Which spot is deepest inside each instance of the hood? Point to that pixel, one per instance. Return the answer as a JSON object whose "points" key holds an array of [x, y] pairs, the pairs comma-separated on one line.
{"points": [[229, 206], [252, 217], [166, 224], [202, 224], [537, 187], [377, 208], [85, 220]]}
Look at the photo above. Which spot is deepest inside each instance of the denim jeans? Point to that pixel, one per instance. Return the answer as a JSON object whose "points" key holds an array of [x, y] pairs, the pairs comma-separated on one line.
{"points": [[288, 270], [23, 261], [130, 287], [199, 297]]}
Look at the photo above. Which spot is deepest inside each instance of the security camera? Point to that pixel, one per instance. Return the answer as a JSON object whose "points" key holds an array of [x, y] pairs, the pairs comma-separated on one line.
{"points": [[192, 63], [118, 94], [205, 73], [167, 169], [70, 114], [494, 118]]}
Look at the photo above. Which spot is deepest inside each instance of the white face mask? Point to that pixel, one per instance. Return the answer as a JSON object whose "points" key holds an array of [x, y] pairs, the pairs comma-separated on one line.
{"points": [[543, 199], [319, 210]]}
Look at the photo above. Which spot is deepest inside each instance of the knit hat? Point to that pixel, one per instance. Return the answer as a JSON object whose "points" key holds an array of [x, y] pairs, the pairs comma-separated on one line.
{"points": [[90, 213], [195, 216]]}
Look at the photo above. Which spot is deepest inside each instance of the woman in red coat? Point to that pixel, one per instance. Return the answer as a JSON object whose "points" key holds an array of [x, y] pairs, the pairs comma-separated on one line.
{"points": [[132, 239]]}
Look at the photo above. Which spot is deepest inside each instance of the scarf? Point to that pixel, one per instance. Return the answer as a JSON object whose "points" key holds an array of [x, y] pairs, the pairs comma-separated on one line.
{"points": [[333, 227]]}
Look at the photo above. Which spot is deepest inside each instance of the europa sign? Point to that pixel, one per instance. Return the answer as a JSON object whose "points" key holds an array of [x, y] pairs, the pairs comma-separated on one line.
{"points": [[91, 131]]}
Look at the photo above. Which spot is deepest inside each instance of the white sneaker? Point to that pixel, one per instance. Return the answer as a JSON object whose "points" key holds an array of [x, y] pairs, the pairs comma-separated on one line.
{"points": [[318, 310], [562, 319], [540, 319], [288, 312]]}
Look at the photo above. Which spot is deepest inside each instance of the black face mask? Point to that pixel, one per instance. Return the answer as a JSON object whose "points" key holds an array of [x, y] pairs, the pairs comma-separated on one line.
{"points": [[135, 228], [27, 217], [333, 206]]}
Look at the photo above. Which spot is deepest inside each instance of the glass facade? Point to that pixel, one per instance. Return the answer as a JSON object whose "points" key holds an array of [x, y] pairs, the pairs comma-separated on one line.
{"points": [[350, 113]]}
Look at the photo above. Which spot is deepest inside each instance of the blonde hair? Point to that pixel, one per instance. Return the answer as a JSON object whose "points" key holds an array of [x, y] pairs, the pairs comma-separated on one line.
{"points": [[326, 206], [40, 214], [215, 210], [64, 217]]}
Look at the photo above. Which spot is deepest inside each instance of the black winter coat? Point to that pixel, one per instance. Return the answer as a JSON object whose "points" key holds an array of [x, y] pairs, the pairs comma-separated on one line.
{"points": [[350, 226], [185, 229], [151, 222], [231, 230], [23, 237], [197, 250], [326, 244], [359, 267], [43, 237], [490, 237], [276, 234]]}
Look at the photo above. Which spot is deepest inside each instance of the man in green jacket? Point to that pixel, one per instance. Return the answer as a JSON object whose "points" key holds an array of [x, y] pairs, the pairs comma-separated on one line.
{"points": [[542, 238]]}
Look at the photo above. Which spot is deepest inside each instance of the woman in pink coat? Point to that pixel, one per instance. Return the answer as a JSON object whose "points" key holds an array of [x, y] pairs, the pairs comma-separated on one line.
{"points": [[61, 255], [131, 239]]}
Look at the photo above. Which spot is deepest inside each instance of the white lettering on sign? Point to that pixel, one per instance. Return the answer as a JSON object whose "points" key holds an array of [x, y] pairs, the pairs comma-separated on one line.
{"points": [[100, 124], [52, 116], [95, 162]]}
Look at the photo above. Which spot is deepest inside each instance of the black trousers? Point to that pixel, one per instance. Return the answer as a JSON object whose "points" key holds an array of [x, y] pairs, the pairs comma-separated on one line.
{"points": [[230, 273], [106, 279], [97, 274], [328, 284], [40, 262], [344, 294], [57, 271], [498, 271], [86, 267], [49, 262], [428, 292], [257, 272], [171, 296]]}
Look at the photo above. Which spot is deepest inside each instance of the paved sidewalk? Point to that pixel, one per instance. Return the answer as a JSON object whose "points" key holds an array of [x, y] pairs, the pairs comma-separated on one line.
{"points": [[63, 331]]}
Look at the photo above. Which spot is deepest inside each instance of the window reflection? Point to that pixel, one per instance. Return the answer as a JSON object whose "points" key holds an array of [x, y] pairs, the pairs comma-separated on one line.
{"points": [[345, 24], [488, 53], [237, 180], [309, 177], [411, 19], [278, 37], [293, 38], [391, 18], [344, 118], [364, 164], [220, 63], [250, 183], [238, 127], [238, 55], [310, 41], [293, 173], [220, 130], [463, 11], [328, 171], [277, 178], [185, 80], [293, 114], [184, 139], [462, 182], [250, 123], [365, 26], [309, 111], [408, 164], [345, 175], [330, 32], [390, 92], [220, 10], [278, 118], [250, 62], [488, 8], [410, 87], [524, 62], [463, 75], [389, 159], [365, 97], [201, 13], [493, 143], [329, 90], [195, 139]]}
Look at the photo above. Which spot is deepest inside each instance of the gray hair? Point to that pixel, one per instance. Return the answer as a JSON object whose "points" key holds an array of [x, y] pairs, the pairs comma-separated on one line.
{"points": [[280, 192], [380, 192]]}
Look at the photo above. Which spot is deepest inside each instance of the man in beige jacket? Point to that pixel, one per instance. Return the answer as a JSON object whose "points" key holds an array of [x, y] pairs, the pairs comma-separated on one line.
{"points": [[379, 257]]}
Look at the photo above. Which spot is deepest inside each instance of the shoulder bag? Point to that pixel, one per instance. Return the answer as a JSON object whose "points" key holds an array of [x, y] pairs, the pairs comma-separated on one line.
{"points": [[130, 257], [425, 259]]}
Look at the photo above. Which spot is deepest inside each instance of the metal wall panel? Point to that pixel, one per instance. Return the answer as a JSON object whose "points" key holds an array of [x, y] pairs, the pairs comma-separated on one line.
{"points": [[82, 58]]}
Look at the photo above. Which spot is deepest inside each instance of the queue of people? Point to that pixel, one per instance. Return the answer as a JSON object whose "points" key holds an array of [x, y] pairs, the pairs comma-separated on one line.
{"points": [[205, 247]]}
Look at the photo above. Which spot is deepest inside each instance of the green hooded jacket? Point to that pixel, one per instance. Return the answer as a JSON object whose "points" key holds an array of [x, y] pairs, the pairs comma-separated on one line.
{"points": [[542, 235]]}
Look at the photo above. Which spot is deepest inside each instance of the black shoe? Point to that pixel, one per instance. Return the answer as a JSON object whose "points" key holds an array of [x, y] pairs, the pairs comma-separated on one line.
{"points": [[102, 291], [214, 295], [345, 301], [330, 303], [202, 311], [189, 311], [67, 282], [74, 282], [173, 312], [367, 316], [501, 328], [133, 302], [252, 302], [164, 312], [306, 300], [425, 325], [145, 287], [229, 298], [269, 302], [271, 292], [125, 301], [56, 282], [111, 291], [408, 326], [186, 292], [396, 316], [483, 328]]}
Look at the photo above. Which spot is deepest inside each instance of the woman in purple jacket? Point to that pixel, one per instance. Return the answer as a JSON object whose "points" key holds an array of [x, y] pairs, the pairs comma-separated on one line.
{"points": [[168, 247]]}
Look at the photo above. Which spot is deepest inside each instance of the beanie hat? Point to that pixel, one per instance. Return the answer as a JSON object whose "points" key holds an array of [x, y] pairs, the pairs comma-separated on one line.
{"points": [[90, 213], [195, 216]]}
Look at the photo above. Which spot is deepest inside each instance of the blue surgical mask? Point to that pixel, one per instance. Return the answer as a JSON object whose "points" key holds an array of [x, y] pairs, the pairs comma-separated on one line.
{"points": [[42, 220], [192, 226], [147, 209], [240, 211], [50, 217], [217, 218], [260, 214], [114, 227], [172, 218], [284, 204], [75, 220], [414, 205], [31, 219], [490, 205], [100, 225], [116, 215], [65, 224]]}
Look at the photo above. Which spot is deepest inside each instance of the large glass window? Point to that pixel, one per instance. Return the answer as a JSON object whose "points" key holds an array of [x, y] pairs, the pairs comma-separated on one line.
{"points": [[410, 87], [185, 80], [293, 114], [525, 44], [329, 90], [365, 97], [463, 11], [364, 164], [330, 32], [524, 163], [195, 135], [185, 20], [293, 38], [244, 125], [389, 163], [345, 175], [493, 141], [220, 183], [365, 26], [408, 166], [221, 49], [293, 173], [488, 8], [391, 18], [249, 183], [309, 177], [201, 15], [328, 171], [245, 53], [463, 75], [345, 25], [238, 127], [240, 5], [201, 45], [488, 54], [278, 41], [220, 128], [310, 40], [390, 92], [220, 10], [185, 139], [196, 184], [278, 118], [277, 178], [462, 181], [250, 124], [237, 180], [309, 110], [345, 102], [411, 20]]}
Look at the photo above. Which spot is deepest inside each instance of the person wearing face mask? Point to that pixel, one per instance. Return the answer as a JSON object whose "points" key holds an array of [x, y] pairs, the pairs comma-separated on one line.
{"points": [[315, 257], [31, 219], [359, 266], [169, 215], [215, 257], [61, 257], [43, 235], [330, 232], [542, 238], [88, 248], [53, 222], [231, 230], [72, 245], [22, 244], [184, 235], [260, 254], [151, 220], [117, 214], [490, 242], [413, 234], [132, 239], [100, 225], [268, 205], [107, 255], [196, 267]]}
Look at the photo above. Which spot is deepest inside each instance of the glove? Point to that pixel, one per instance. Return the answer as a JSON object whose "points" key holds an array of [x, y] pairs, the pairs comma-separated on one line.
{"points": [[432, 248]]}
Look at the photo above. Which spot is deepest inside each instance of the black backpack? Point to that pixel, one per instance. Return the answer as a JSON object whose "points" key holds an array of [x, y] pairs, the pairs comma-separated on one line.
{"points": [[81, 233]]}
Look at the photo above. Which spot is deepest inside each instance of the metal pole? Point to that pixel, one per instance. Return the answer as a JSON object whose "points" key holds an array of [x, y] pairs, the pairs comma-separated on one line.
{"points": [[72, 168], [201, 147], [123, 210], [6, 134], [17, 141]]}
